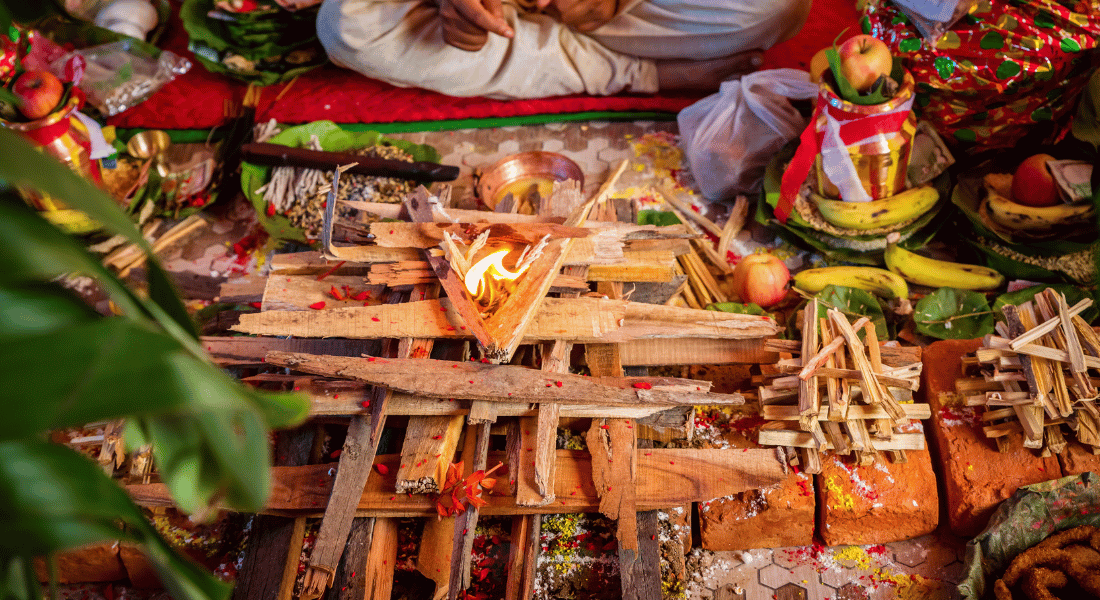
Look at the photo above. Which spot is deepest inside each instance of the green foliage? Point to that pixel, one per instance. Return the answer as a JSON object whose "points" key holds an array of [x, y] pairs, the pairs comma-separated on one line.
{"points": [[660, 218], [739, 308], [878, 93], [66, 365], [854, 303], [953, 314], [1072, 293]]}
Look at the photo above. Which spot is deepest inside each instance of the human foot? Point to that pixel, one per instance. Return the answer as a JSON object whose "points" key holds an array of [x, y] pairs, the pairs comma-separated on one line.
{"points": [[706, 75]]}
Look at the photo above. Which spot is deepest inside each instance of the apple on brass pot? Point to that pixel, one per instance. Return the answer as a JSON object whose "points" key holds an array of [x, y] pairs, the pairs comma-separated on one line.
{"points": [[863, 59], [38, 93], [761, 279]]}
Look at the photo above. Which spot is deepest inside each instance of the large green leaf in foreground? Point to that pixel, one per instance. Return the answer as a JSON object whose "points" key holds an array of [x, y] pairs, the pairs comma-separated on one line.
{"points": [[54, 498]]}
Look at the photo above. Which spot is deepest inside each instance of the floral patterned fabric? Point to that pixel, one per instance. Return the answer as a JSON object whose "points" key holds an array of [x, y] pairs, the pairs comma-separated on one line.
{"points": [[1003, 68]]}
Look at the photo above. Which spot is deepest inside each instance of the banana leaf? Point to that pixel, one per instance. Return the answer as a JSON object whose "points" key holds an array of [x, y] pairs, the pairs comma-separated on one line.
{"points": [[966, 195], [333, 138], [211, 40]]}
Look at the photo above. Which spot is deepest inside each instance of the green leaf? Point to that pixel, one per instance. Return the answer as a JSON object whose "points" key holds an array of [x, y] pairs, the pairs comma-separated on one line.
{"points": [[739, 309], [876, 95], [36, 308], [21, 165], [53, 499], [953, 314], [1072, 293], [854, 303], [659, 218]]}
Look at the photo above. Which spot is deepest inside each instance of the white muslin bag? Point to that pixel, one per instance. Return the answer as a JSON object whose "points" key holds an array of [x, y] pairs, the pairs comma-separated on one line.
{"points": [[729, 137]]}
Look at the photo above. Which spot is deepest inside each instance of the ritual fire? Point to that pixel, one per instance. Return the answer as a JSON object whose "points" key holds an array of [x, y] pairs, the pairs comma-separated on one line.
{"points": [[490, 271]]}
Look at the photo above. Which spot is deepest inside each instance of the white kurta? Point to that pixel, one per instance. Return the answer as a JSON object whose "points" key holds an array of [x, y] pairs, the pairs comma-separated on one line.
{"points": [[401, 42]]}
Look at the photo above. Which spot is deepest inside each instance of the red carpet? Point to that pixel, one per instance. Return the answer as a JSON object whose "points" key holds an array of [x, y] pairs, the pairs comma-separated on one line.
{"points": [[199, 99]]}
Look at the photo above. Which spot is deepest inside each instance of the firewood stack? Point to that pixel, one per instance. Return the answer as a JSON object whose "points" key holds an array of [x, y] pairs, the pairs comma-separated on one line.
{"points": [[1037, 374], [451, 397], [842, 394]]}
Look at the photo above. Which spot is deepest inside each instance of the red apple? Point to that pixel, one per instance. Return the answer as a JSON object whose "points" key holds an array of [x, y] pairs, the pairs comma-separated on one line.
{"points": [[863, 59], [818, 65], [38, 93], [1033, 185], [761, 279]]}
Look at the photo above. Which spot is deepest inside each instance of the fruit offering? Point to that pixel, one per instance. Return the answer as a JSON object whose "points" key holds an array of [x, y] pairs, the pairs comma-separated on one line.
{"points": [[860, 70], [38, 92], [1028, 203], [761, 279]]}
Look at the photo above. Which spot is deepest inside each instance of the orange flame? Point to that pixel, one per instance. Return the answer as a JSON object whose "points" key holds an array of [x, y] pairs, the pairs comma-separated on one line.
{"points": [[487, 280]]}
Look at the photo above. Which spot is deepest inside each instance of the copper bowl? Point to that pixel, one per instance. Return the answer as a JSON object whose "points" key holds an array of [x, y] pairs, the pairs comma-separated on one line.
{"points": [[523, 173]]}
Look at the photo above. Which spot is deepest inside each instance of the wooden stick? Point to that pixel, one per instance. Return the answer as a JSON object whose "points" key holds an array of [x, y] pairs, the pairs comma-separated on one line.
{"points": [[685, 212], [614, 479], [809, 398], [478, 381], [1039, 331], [666, 477], [476, 456], [522, 556], [381, 559]]}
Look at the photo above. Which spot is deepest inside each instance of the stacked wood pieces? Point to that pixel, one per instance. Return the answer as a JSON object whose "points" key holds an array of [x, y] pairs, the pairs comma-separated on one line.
{"points": [[1037, 374], [451, 408], [844, 393]]}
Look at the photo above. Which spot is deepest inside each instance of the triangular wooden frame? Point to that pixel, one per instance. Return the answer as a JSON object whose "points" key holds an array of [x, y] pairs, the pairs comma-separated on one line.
{"points": [[500, 334]]}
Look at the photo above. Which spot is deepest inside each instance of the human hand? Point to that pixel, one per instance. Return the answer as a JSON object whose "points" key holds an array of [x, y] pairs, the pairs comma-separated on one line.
{"points": [[467, 23], [582, 15]]}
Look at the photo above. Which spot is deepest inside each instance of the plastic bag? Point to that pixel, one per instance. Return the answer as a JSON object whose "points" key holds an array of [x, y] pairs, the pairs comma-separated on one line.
{"points": [[729, 137], [122, 74]]}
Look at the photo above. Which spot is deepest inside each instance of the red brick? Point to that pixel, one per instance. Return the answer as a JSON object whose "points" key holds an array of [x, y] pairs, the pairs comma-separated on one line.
{"points": [[1078, 458], [878, 503], [93, 563], [771, 518], [976, 476]]}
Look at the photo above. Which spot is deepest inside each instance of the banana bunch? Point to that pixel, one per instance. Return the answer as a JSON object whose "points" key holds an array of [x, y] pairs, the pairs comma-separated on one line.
{"points": [[1015, 216], [930, 272], [863, 216], [879, 282]]}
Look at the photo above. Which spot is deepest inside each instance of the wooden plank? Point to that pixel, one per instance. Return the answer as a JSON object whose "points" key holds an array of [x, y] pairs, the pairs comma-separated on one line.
{"points": [[381, 560], [666, 477], [612, 444], [276, 548], [700, 351], [480, 381], [582, 320], [521, 462], [522, 557], [475, 457], [433, 559], [429, 448], [349, 582], [240, 350]]}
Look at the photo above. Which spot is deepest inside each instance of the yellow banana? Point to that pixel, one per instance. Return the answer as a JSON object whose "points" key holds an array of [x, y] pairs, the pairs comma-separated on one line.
{"points": [[930, 272], [876, 214], [1012, 215], [877, 281]]}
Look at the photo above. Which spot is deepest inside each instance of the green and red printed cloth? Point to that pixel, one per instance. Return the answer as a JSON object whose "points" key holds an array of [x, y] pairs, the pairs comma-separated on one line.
{"points": [[1003, 68]]}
